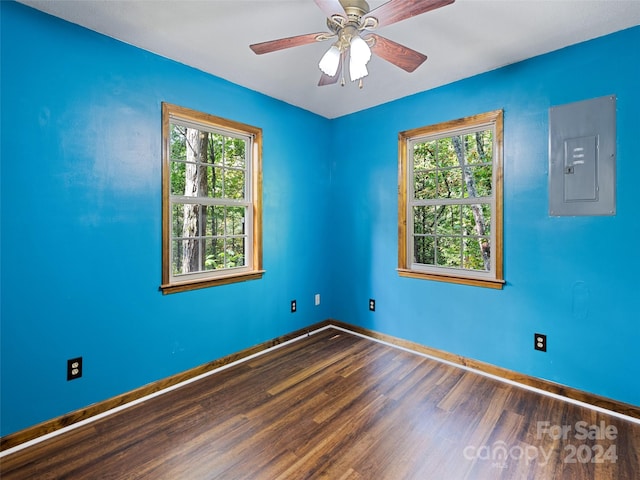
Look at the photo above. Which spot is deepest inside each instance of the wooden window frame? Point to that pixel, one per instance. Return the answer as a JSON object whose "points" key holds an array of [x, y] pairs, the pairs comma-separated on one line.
{"points": [[450, 128], [253, 269]]}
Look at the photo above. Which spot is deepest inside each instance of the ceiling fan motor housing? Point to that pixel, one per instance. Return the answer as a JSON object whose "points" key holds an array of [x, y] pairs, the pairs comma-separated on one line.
{"points": [[355, 9]]}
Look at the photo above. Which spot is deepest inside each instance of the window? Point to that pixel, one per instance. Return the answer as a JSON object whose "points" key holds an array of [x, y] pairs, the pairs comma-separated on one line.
{"points": [[211, 200], [450, 201]]}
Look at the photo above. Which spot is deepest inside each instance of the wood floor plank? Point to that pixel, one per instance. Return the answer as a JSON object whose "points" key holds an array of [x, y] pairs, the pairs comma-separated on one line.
{"points": [[339, 406]]}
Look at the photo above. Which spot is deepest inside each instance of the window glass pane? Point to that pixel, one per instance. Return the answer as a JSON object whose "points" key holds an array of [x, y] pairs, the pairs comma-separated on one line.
{"points": [[235, 253], [234, 184], [425, 185], [446, 153], [487, 142], [213, 220], [478, 147], [185, 220], [203, 215], [424, 219], [477, 254], [177, 178], [217, 223], [485, 247], [227, 151], [214, 253], [205, 181], [177, 218], [476, 219], [423, 250], [217, 182], [235, 220], [484, 141], [190, 180], [176, 258], [178, 142], [448, 220], [234, 153], [450, 183], [216, 149], [186, 256], [449, 252], [197, 145], [471, 154], [424, 155], [482, 178], [486, 215]]}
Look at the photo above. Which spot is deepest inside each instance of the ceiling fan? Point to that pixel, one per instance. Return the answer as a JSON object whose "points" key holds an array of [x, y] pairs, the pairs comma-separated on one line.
{"points": [[351, 23]]}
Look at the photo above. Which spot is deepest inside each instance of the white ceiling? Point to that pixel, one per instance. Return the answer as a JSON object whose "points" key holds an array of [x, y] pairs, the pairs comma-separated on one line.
{"points": [[461, 40]]}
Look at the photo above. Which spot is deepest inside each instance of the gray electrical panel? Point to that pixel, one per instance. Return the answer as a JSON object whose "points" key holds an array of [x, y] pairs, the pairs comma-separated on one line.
{"points": [[582, 158]]}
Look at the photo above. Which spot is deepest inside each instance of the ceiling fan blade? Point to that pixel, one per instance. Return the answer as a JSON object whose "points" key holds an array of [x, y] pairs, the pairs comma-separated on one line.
{"points": [[282, 43], [399, 55], [327, 80], [397, 10], [331, 7]]}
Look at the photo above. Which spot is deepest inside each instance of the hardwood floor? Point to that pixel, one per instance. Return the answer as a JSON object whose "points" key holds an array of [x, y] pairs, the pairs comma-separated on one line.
{"points": [[338, 406]]}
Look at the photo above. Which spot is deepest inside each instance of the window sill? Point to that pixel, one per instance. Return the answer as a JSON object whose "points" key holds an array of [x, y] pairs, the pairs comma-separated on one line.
{"points": [[477, 282], [210, 282]]}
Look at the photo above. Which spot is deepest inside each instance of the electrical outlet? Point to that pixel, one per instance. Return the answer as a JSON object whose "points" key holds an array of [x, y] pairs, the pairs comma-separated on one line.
{"points": [[540, 342], [74, 368], [372, 305], [294, 306], [317, 299]]}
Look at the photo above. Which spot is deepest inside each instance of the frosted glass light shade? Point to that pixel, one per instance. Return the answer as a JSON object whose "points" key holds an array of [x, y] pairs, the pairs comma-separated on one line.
{"points": [[359, 56], [360, 51], [357, 70], [330, 61]]}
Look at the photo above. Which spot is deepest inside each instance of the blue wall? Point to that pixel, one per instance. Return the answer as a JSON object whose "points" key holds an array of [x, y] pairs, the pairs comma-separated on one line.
{"points": [[81, 226], [81, 246], [574, 279]]}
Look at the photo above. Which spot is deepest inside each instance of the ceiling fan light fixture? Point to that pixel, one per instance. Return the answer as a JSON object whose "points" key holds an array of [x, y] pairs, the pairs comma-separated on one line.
{"points": [[359, 56], [330, 61], [359, 50], [357, 70], [347, 20]]}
